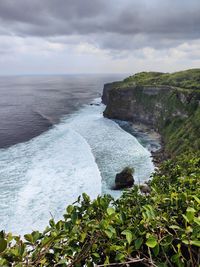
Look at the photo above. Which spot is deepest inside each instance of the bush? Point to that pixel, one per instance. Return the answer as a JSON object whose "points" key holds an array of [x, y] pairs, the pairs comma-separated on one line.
{"points": [[162, 229]]}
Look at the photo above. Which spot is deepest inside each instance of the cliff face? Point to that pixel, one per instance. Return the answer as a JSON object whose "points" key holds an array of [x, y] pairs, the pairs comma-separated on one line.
{"points": [[173, 112]]}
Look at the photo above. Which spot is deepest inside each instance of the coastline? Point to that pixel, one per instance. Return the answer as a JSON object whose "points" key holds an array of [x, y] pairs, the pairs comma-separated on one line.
{"points": [[148, 137]]}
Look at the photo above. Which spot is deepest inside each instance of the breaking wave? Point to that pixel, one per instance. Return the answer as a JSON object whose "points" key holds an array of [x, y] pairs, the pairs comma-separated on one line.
{"points": [[39, 178]]}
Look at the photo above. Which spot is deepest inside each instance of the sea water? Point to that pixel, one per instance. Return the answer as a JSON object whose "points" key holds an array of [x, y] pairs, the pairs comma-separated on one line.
{"points": [[81, 153]]}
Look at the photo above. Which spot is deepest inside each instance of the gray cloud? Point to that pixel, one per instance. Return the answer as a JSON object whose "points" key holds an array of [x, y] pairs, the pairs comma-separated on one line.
{"points": [[109, 24], [50, 17], [124, 17]]}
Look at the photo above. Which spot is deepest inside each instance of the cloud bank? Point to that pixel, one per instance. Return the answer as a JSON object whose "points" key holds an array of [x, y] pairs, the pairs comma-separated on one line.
{"points": [[138, 34]]}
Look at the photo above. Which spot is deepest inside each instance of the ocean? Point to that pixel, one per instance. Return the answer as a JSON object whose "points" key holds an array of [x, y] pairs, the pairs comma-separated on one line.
{"points": [[55, 144]]}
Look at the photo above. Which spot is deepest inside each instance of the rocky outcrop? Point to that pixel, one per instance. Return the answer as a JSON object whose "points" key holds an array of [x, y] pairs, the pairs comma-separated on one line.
{"points": [[152, 106], [124, 179], [164, 108], [106, 92], [107, 87]]}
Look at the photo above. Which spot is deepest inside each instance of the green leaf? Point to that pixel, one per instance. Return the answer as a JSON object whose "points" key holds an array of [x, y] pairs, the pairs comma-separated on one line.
{"points": [[151, 242], [86, 197], [188, 229], [52, 223], [120, 257], [110, 211], [123, 216], [35, 235], [83, 236], [107, 261], [70, 209], [115, 248], [185, 241], [138, 243], [3, 245], [190, 214], [21, 249], [74, 217], [197, 220], [96, 255], [29, 238], [195, 243], [149, 212], [185, 217], [129, 236], [175, 227], [197, 199], [111, 229], [156, 250], [45, 241], [108, 233], [176, 259]]}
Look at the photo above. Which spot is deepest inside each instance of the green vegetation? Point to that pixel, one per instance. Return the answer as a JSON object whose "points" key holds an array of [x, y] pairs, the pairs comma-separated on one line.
{"points": [[161, 229], [188, 79], [182, 135]]}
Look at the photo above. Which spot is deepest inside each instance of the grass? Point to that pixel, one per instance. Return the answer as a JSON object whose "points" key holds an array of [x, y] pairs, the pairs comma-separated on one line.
{"points": [[188, 79]]}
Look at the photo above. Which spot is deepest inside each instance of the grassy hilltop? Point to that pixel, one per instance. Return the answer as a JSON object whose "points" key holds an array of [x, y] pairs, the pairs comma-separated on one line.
{"points": [[188, 79]]}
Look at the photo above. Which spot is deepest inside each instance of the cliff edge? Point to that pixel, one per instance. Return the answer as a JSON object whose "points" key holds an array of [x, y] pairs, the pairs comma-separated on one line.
{"points": [[169, 103]]}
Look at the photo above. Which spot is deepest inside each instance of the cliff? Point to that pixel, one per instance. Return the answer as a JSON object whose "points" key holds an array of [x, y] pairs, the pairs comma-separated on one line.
{"points": [[157, 100], [159, 229]]}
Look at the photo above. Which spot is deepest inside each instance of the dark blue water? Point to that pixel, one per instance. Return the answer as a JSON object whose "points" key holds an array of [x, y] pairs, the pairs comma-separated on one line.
{"points": [[29, 105]]}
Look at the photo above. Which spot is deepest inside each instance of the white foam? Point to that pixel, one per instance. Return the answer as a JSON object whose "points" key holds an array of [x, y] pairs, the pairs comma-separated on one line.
{"points": [[43, 176], [49, 172], [112, 147]]}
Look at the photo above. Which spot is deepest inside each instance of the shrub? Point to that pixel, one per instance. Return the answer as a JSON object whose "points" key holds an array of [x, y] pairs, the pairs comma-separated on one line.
{"points": [[162, 229]]}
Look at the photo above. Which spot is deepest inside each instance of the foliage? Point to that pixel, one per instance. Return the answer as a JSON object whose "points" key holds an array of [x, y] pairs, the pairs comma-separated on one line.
{"points": [[182, 135], [188, 79], [161, 229]]}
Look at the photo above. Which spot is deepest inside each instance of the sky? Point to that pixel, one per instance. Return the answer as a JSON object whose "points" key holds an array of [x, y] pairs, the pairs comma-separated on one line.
{"points": [[98, 36]]}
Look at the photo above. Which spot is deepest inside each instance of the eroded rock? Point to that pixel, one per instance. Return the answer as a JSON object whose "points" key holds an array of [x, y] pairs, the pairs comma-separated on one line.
{"points": [[124, 179]]}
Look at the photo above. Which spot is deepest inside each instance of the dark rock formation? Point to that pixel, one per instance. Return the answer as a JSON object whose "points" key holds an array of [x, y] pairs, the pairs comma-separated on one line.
{"points": [[166, 109], [106, 89], [141, 104], [124, 179]]}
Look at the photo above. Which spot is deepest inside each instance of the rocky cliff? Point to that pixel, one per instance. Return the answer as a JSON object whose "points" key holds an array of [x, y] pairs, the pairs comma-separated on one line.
{"points": [[172, 111]]}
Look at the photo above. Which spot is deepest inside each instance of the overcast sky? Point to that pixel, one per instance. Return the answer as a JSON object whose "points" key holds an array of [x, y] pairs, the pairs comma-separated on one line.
{"points": [[98, 36]]}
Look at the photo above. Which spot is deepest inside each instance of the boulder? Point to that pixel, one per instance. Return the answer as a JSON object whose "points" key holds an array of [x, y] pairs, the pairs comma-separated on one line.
{"points": [[124, 179]]}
